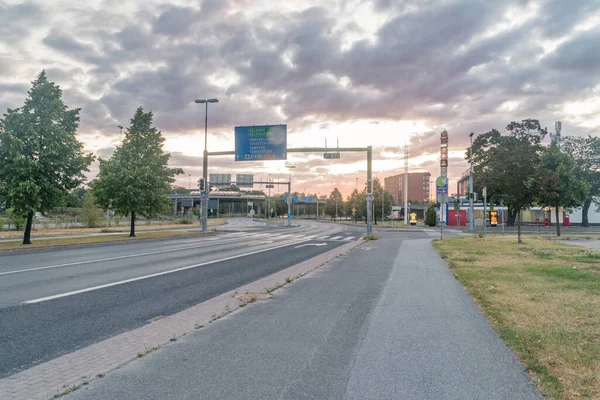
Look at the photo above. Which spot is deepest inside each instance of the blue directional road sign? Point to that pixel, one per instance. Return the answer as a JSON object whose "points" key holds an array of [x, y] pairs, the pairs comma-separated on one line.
{"points": [[290, 216], [441, 185], [260, 143], [308, 199], [295, 199]]}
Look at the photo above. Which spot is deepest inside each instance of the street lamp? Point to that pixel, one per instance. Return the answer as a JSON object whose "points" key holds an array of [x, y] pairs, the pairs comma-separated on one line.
{"points": [[471, 206], [290, 167], [204, 199]]}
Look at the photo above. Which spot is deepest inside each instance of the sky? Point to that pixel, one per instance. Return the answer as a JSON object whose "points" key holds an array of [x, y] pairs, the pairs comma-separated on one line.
{"points": [[381, 73]]}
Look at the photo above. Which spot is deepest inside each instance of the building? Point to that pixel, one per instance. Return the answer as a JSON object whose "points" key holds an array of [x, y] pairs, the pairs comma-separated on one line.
{"points": [[418, 187], [462, 186]]}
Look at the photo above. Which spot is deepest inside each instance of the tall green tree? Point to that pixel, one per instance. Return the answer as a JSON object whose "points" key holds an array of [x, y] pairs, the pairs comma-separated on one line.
{"points": [[335, 204], [586, 153], [388, 200], [41, 159], [509, 165], [561, 184], [136, 179]]}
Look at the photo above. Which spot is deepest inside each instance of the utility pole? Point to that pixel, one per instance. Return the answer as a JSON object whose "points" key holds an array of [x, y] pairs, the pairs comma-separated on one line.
{"points": [[405, 184], [484, 210], [382, 199], [471, 195]]}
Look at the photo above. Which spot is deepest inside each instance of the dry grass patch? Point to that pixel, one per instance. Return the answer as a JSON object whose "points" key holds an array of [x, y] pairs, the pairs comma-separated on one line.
{"points": [[543, 297], [93, 239], [40, 231]]}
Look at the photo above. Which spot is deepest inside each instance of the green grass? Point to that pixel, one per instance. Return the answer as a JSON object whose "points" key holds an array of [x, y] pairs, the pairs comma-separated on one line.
{"points": [[543, 297]]}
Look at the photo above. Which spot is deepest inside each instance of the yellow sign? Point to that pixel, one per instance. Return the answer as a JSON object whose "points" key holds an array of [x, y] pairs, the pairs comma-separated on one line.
{"points": [[493, 218], [413, 218]]}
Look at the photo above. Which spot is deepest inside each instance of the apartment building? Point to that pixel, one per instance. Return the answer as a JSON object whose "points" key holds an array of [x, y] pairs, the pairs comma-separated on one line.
{"points": [[418, 187]]}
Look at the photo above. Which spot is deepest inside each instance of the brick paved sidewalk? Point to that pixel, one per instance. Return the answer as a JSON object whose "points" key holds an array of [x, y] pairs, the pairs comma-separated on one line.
{"points": [[70, 371]]}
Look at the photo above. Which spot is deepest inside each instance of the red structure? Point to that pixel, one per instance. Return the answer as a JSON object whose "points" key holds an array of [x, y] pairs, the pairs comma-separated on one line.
{"points": [[452, 217]]}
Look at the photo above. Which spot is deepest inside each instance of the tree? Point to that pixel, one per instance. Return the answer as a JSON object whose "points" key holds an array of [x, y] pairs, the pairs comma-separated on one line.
{"points": [[430, 215], [91, 214], [136, 179], [41, 158], [388, 200], [75, 198], [586, 153], [509, 165], [179, 190], [335, 204], [561, 185]]}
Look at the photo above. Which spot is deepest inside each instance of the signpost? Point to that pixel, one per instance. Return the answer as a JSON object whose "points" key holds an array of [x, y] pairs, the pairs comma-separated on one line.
{"points": [[329, 156], [260, 143], [244, 180]]}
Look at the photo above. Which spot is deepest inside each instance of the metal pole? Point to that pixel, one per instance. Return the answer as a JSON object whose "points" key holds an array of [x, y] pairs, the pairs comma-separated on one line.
{"points": [[442, 220], [471, 205], [203, 200], [405, 185], [317, 206], [382, 197], [484, 210], [502, 208], [289, 200], [369, 190]]}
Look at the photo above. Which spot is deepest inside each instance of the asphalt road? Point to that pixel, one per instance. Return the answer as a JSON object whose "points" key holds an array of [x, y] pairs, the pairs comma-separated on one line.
{"points": [[55, 301], [386, 321]]}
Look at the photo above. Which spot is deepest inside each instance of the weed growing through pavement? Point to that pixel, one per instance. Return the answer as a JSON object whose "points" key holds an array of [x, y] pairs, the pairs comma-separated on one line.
{"points": [[289, 279], [146, 352]]}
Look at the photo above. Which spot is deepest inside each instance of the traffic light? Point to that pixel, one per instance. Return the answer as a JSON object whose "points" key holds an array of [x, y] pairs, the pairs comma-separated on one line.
{"points": [[202, 184]]}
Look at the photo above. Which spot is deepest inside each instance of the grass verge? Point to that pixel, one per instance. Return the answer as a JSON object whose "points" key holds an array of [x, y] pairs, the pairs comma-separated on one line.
{"points": [[543, 297], [94, 239]]}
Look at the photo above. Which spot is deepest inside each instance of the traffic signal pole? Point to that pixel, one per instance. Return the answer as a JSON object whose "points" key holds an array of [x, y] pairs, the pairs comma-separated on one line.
{"points": [[368, 149]]}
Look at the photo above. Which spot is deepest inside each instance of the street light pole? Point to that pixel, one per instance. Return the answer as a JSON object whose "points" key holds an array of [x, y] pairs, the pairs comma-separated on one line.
{"points": [[471, 205], [269, 185], [290, 167], [204, 197]]}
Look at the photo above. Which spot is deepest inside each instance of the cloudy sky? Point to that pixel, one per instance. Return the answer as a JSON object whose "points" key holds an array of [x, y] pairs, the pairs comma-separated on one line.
{"points": [[382, 72]]}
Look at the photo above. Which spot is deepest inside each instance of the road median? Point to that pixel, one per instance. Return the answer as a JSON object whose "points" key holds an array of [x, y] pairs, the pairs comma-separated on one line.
{"points": [[543, 297]]}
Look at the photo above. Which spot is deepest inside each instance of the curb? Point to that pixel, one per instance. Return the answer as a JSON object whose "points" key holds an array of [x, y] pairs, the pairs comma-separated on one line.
{"points": [[67, 373]]}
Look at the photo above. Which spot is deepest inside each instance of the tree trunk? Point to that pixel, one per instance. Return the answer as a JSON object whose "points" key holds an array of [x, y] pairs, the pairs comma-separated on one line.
{"points": [[519, 240], [132, 229], [27, 235], [557, 223], [512, 216], [584, 212]]}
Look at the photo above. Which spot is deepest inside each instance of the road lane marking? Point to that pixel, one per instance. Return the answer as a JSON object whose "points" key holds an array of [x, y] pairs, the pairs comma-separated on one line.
{"points": [[139, 278], [348, 238], [18, 271], [336, 237], [311, 244], [323, 237]]}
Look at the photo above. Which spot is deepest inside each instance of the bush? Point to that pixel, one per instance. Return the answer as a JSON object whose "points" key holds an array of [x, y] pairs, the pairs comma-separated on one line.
{"points": [[185, 221], [90, 213], [431, 216], [17, 220]]}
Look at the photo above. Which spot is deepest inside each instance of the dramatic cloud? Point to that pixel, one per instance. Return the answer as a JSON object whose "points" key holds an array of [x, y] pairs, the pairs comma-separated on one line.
{"points": [[382, 73]]}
